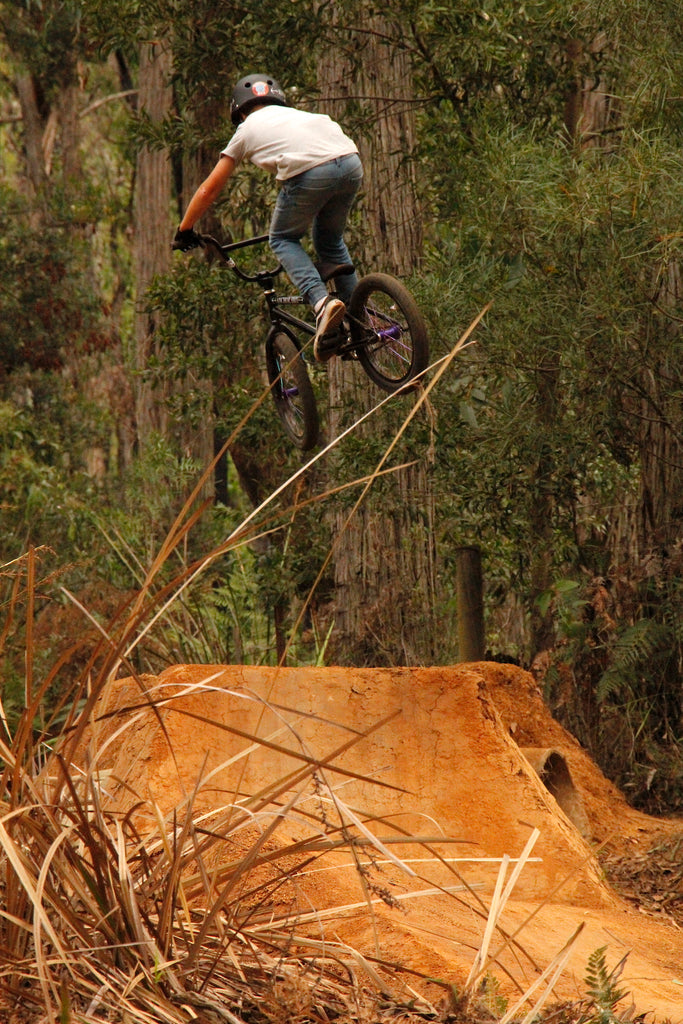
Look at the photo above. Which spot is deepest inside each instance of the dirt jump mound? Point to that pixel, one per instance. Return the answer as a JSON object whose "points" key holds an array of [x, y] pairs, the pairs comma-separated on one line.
{"points": [[443, 778]]}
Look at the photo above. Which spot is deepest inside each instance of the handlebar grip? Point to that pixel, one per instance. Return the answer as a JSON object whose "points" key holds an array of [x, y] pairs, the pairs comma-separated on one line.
{"points": [[186, 240]]}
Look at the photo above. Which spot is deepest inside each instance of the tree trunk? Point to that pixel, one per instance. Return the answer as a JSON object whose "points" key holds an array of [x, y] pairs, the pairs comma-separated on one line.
{"points": [[152, 231], [384, 569], [589, 106], [392, 211], [543, 507], [647, 525], [470, 595], [33, 133]]}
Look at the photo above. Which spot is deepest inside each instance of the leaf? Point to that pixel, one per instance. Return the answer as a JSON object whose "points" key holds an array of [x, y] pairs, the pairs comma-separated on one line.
{"points": [[516, 271], [468, 415]]}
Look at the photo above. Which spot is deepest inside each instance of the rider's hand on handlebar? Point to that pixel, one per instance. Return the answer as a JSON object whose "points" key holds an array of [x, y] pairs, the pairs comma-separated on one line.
{"points": [[186, 240]]}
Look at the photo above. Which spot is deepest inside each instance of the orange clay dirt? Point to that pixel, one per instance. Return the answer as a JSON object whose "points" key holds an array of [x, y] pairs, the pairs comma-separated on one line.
{"points": [[455, 761]]}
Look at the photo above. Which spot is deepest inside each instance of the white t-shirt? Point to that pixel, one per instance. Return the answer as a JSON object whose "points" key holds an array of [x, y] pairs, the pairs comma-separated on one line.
{"points": [[287, 141]]}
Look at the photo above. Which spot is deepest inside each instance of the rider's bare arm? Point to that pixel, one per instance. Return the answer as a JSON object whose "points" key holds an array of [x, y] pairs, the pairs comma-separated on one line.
{"points": [[208, 192]]}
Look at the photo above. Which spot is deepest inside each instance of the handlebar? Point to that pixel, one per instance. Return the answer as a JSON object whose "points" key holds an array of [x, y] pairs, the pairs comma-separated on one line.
{"points": [[212, 245]]}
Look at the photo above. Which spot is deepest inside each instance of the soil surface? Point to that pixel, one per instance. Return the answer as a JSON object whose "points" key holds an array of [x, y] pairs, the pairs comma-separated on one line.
{"points": [[467, 758]]}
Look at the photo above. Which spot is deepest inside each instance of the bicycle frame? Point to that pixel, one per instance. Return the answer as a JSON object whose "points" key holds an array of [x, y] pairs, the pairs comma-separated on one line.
{"points": [[279, 316], [356, 338]]}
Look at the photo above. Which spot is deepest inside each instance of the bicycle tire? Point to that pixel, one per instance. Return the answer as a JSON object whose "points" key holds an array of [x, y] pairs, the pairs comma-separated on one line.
{"points": [[388, 330], [292, 391]]}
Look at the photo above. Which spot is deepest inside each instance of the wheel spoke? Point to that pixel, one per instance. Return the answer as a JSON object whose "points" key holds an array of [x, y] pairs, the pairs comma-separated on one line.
{"points": [[391, 338]]}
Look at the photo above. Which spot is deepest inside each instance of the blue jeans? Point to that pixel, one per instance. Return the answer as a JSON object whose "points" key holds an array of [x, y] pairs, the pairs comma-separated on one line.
{"points": [[319, 199]]}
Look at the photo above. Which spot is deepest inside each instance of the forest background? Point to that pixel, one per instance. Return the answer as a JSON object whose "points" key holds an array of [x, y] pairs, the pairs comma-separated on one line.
{"points": [[527, 155]]}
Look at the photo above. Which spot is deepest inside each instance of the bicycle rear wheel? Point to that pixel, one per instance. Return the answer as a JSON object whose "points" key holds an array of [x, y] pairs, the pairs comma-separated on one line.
{"points": [[292, 391], [388, 331]]}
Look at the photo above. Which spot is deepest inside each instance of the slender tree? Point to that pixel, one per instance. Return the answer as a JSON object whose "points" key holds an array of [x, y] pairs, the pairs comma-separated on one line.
{"points": [[152, 222], [384, 566]]}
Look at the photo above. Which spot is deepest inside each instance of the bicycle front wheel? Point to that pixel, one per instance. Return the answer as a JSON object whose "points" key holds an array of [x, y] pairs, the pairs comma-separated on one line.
{"points": [[292, 391], [388, 331]]}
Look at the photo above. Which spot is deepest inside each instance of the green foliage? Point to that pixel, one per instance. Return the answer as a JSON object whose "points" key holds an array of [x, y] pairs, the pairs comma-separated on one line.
{"points": [[213, 45], [490, 998], [622, 637], [552, 377], [46, 36], [43, 498], [633, 650], [45, 296], [601, 987], [151, 495], [206, 320]]}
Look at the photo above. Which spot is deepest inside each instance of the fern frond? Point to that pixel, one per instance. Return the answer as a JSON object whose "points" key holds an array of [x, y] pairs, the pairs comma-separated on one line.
{"points": [[635, 647], [601, 985]]}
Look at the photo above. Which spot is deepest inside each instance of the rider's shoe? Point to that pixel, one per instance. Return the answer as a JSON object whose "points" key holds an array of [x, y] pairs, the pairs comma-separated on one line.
{"points": [[329, 317]]}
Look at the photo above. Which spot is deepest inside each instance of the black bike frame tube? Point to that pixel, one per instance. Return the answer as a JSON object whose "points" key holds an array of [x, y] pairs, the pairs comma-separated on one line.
{"points": [[279, 315], [231, 246], [282, 317]]}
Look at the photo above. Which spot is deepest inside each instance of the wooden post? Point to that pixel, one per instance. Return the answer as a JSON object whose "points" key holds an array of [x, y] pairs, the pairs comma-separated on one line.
{"points": [[470, 604]]}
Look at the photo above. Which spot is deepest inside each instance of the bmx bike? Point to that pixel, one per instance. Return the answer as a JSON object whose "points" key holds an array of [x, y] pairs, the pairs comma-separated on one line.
{"points": [[383, 329]]}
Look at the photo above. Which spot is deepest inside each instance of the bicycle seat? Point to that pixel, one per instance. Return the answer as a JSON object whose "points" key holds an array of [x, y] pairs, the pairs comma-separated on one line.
{"points": [[329, 270]]}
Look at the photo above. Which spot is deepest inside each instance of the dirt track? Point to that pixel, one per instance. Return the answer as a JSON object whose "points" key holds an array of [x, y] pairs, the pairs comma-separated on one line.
{"points": [[452, 766]]}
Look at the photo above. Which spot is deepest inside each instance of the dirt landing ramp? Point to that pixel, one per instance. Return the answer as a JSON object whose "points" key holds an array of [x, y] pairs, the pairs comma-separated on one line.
{"points": [[451, 766]]}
